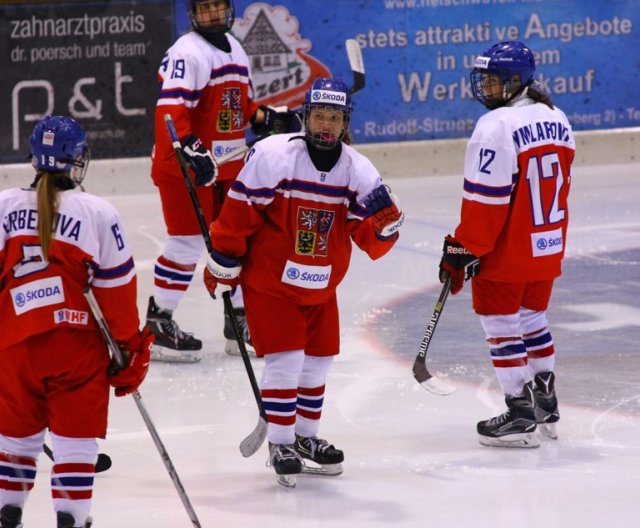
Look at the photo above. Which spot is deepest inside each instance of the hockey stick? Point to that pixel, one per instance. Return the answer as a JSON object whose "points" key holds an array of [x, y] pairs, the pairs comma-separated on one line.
{"points": [[103, 463], [235, 153], [117, 355], [251, 443], [354, 53], [420, 372]]}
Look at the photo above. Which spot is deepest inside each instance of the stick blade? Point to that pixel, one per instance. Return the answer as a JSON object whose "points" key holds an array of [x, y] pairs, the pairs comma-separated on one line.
{"points": [[356, 62], [252, 443], [429, 382], [437, 386]]}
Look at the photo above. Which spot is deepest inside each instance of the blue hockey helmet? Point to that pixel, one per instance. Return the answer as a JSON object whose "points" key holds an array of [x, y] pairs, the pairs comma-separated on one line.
{"points": [[501, 73], [205, 27], [58, 144], [327, 93]]}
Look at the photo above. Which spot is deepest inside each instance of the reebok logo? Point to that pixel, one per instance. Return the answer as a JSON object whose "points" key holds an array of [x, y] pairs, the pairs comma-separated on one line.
{"points": [[452, 250]]}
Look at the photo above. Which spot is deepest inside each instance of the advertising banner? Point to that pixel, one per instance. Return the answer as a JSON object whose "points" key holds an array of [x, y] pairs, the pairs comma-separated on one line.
{"points": [[97, 61], [418, 55], [94, 61]]}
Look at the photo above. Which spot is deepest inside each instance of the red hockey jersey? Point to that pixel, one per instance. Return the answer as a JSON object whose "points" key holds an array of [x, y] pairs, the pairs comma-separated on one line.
{"points": [[293, 225], [208, 93], [516, 183], [89, 247]]}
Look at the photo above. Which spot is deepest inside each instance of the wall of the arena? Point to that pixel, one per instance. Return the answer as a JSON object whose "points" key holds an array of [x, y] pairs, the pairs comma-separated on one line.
{"points": [[393, 160], [98, 62]]}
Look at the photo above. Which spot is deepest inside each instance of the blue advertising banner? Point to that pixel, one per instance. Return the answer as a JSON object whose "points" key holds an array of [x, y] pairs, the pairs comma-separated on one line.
{"points": [[97, 61], [418, 55]]}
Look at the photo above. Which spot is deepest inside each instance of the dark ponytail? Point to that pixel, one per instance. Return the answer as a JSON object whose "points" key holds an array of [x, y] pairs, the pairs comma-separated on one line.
{"points": [[536, 92]]}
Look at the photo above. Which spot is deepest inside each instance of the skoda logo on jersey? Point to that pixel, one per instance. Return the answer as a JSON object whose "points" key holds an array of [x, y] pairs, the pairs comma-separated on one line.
{"points": [[326, 96], [293, 273], [37, 294], [20, 300], [542, 244]]}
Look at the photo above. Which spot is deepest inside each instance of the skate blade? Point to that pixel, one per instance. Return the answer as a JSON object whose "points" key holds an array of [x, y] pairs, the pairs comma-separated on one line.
{"points": [[548, 430], [523, 440], [168, 355], [231, 348], [287, 481], [325, 470]]}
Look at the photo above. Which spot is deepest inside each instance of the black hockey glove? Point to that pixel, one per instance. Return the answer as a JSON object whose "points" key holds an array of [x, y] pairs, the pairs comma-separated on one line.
{"points": [[457, 262], [385, 210], [200, 160], [276, 120]]}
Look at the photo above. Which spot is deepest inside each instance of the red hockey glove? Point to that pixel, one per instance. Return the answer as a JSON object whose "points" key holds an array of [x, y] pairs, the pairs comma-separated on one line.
{"points": [[385, 210], [200, 160], [221, 270], [137, 352], [457, 262]]}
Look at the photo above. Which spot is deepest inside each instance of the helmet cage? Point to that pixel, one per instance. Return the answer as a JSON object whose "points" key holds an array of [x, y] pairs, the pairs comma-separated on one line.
{"points": [[214, 29], [501, 73], [326, 93]]}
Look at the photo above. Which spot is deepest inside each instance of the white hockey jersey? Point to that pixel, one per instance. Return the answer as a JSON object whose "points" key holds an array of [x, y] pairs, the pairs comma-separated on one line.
{"points": [[293, 225], [89, 247], [516, 185], [208, 93]]}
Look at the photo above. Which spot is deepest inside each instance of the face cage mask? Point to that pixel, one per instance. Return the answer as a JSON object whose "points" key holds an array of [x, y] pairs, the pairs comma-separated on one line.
{"points": [[316, 138], [217, 29], [79, 168], [509, 88]]}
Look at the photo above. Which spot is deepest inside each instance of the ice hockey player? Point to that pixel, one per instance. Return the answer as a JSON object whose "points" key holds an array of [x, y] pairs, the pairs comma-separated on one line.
{"points": [[206, 88], [302, 200], [512, 236], [54, 364]]}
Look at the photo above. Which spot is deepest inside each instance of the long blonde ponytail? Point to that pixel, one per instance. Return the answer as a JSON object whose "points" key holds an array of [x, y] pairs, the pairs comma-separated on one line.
{"points": [[48, 202]]}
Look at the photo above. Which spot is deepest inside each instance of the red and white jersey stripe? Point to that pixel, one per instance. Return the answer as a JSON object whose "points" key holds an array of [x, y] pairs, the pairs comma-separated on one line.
{"points": [[208, 93], [89, 247], [516, 183], [299, 221]]}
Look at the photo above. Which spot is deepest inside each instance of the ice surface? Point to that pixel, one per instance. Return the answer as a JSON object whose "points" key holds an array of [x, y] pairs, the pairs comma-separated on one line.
{"points": [[411, 458]]}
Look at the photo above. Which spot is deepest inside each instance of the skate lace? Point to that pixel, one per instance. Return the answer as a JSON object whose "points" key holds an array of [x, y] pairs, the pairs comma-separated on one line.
{"points": [[315, 445], [171, 328], [500, 419], [283, 452]]}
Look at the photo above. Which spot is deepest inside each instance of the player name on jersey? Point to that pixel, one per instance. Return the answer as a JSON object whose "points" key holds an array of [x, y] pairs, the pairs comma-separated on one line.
{"points": [[27, 220], [541, 131]]}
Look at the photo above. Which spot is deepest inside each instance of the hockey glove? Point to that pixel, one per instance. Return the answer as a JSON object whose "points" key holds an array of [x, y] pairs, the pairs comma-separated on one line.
{"points": [[275, 120], [137, 352], [457, 262], [385, 210], [200, 160], [221, 270]]}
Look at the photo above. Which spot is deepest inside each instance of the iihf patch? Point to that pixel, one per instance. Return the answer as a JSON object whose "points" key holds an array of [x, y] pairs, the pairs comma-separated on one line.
{"points": [[74, 317]]}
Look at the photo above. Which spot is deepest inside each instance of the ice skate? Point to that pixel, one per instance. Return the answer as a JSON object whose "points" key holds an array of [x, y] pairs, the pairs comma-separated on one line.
{"points": [[286, 462], [231, 347], [546, 409], [514, 428], [326, 458], [10, 516], [66, 520], [172, 344]]}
